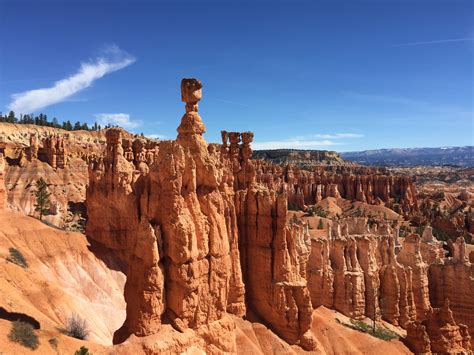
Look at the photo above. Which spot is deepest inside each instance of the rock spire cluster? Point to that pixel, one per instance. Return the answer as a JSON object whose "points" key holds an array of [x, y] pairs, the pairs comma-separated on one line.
{"points": [[192, 228], [203, 233]]}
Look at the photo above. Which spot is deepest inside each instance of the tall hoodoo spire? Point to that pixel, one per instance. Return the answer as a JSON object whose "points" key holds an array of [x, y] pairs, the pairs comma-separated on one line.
{"points": [[191, 128]]}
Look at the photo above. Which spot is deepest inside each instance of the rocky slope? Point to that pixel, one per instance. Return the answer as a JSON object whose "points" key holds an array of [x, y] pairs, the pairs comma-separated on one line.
{"points": [[63, 278]]}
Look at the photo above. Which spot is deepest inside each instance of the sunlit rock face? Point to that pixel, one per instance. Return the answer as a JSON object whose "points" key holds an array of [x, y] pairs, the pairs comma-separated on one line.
{"points": [[364, 272], [192, 225], [368, 185]]}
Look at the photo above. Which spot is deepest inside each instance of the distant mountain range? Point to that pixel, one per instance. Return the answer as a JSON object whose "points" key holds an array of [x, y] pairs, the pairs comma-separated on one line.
{"points": [[458, 156]]}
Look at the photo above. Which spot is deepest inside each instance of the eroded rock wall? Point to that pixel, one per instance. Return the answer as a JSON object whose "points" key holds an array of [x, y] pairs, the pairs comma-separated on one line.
{"points": [[360, 276], [369, 273], [438, 333], [309, 187], [453, 279]]}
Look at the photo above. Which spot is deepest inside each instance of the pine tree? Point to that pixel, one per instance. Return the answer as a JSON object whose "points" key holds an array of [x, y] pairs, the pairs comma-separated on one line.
{"points": [[42, 196], [77, 126], [11, 117]]}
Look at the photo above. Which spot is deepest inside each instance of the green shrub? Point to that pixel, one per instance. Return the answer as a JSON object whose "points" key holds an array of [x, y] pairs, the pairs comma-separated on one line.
{"points": [[292, 206], [380, 332], [73, 222], [17, 257], [76, 327], [24, 334], [440, 235], [82, 351], [316, 211]]}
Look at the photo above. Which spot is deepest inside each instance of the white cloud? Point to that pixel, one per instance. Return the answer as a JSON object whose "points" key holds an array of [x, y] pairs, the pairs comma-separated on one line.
{"points": [[119, 119], [113, 59], [155, 136], [438, 41], [294, 144], [338, 135], [312, 141]]}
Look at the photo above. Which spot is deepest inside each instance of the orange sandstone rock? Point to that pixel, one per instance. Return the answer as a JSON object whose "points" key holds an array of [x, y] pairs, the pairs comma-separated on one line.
{"points": [[183, 221]]}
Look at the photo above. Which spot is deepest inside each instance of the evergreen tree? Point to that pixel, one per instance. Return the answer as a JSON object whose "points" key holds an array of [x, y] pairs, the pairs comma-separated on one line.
{"points": [[11, 117], [77, 126], [42, 196]]}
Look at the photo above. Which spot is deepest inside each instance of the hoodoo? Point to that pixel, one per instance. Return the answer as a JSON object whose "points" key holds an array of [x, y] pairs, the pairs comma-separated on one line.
{"points": [[192, 226]]}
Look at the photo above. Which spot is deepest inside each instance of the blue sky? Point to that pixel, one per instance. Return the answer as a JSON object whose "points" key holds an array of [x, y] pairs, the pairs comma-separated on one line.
{"points": [[337, 75]]}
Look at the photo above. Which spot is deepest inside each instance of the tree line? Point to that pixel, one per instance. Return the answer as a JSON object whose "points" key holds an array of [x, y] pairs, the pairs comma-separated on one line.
{"points": [[42, 120]]}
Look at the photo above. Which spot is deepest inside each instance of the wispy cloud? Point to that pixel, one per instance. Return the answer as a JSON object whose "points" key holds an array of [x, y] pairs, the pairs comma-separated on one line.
{"points": [[119, 119], [307, 142], [156, 136], [294, 144], [112, 59], [438, 41], [338, 135], [413, 103]]}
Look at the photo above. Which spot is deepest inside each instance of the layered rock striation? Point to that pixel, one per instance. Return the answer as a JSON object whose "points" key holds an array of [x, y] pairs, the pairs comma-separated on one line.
{"points": [[191, 225]]}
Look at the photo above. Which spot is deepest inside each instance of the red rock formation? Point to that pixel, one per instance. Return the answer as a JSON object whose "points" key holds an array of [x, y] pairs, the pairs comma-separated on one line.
{"points": [[309, 187], [32, 150], [438, 334], [410, 256], [53, 152], [274, 259], [178, 220], [357, 273], [320, 274], [453, 278]]}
